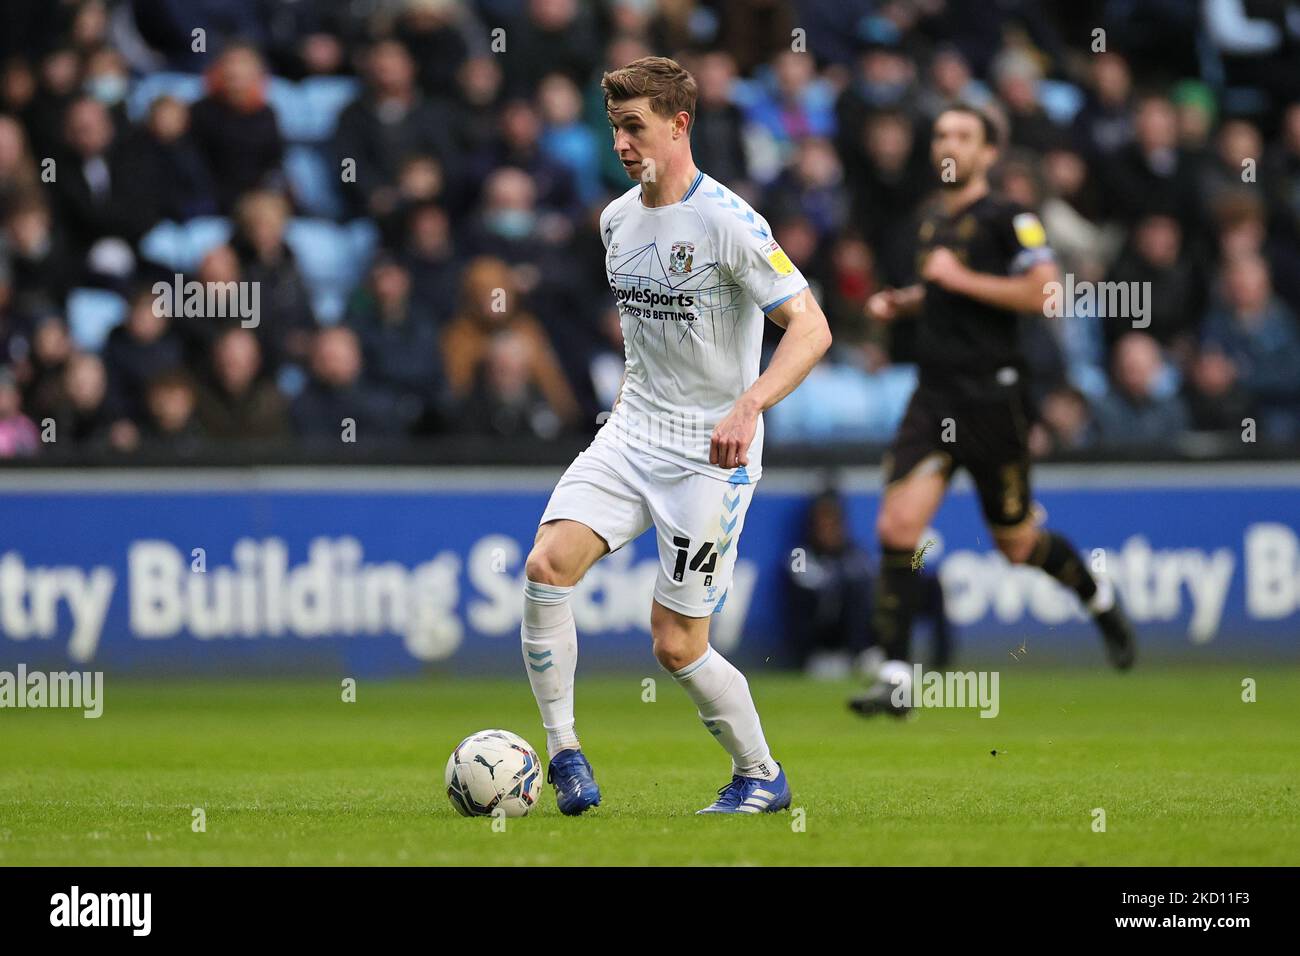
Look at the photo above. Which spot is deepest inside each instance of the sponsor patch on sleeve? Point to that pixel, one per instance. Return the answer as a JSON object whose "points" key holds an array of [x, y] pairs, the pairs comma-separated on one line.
{"points": [[777, 258], [1029, 230]]}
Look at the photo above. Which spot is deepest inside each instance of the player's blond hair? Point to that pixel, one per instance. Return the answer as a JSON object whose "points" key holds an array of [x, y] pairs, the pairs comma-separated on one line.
{"points": [[669, 85]]}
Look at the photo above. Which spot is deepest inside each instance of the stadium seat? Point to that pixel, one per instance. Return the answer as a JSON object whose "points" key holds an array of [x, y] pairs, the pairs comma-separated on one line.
{"points": [[92, 314], [312, 180], [320, 101], [333, 259], [182, 246], [186, 87], [1060, 100]]}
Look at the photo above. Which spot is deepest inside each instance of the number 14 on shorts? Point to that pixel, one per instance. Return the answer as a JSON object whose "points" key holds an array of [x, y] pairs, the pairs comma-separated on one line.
{"points": [[705, 553]]}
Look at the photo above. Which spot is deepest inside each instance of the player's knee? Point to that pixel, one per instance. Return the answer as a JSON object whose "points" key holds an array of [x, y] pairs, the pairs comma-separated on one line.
{"points": [[1016, 548], [543, 568], [896, 530], [673, 647], [672, 654]]}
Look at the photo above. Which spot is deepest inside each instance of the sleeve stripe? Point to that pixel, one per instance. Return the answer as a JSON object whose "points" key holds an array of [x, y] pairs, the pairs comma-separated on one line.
{"points": [[1031, 257], [785, 298]]}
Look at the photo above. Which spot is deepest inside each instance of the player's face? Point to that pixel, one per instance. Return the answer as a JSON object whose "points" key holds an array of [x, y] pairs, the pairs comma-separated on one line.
{"points": [[640, 135], [958, 148]]}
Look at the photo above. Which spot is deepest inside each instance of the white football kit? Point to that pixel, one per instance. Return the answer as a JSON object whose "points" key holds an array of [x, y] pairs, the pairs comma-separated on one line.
{"points": [[693, 281]]}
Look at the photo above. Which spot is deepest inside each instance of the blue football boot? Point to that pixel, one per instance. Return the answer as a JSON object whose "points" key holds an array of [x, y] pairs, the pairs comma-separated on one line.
{"points": [[575, 787], [752, 795]]}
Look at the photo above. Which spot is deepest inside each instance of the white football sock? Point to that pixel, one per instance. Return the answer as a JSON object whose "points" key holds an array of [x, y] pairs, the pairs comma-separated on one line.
{"points": [[721, 696], [1104, 599], [897, 673], [550, 645]]}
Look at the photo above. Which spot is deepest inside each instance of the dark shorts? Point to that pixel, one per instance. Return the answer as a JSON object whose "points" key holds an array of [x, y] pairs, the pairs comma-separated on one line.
{"points": [[988, 436]]}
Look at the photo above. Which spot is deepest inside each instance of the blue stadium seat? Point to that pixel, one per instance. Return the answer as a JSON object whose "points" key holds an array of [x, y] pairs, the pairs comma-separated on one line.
{"points": [[313, 181], [182, 246], [1060, 100], [333, 259], [205, 233], [186, 87], [92, 314], [322, 99], [308, 111]]}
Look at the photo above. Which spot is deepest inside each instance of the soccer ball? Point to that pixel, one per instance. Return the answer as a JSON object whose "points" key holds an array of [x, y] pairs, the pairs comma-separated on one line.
{"points": [[494, 769]]}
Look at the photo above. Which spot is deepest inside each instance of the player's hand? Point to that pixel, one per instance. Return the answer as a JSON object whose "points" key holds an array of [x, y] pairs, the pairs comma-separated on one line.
{"points": [[943, 268], [883, 306], [729, 444]]}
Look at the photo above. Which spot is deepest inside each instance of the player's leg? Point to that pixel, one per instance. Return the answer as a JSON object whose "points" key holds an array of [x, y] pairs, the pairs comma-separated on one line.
{"points": [[698, 521], [591, 512], [916, 471], [562, 553], [906, 510], [1001, 475]]}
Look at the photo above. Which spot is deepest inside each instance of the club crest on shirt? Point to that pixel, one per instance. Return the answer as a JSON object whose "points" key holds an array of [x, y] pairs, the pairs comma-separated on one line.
{"points": [[679, 260]]}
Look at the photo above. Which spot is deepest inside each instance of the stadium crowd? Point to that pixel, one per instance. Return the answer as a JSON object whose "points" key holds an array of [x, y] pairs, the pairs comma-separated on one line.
{"points": [[414, 187]]}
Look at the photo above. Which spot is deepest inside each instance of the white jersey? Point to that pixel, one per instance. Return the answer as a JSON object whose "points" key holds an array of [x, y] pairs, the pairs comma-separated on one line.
{"points": [[693, 281]]}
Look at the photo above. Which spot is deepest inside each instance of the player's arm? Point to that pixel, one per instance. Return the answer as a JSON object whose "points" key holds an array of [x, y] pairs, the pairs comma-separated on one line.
{"points": [[807, 337], [1026, 292], [890, 304]]}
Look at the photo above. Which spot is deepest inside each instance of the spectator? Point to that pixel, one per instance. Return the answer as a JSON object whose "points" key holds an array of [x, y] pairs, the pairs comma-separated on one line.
{"points": [[490, 308], [43, 270], [100, 190], [172, 163], [1171, 280], [83, 417], [388, 123], [431, 260], [565, 141], [717, 129], [439, 34], [240, 403], [337, 405], [1152, 174], [1104, 125], [1017, 76], [518, 146], [138, 351], [552, 35], [1255, 330], [505, 400], [1065, 424], [286, 319], [235, 129], [1214, 393], [889, 176], [43, 382], [1132, 415], [828, 582], [399, 345], [419, 181], [18, 435], [17, 166], [813, 184], [950, 83], [171, 426]]}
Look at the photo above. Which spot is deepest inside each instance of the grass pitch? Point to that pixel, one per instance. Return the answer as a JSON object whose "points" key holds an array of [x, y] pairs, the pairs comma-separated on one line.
{"points": [[286, 773]]}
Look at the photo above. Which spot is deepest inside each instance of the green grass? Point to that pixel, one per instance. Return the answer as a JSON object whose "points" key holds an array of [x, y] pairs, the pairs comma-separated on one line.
{"points": [[288, 774]]}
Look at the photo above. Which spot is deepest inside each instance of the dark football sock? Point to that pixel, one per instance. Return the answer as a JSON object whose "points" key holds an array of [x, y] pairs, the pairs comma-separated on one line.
{"points": [[896, 592], [1055, 555]]}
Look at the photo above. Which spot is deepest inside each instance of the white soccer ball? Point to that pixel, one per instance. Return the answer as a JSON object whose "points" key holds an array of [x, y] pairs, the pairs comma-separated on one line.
{"points": [[494, 769]]}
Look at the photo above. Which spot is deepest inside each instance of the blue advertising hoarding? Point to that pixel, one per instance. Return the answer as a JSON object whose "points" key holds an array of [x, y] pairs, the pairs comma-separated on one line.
{"points": [[383, 572]]}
